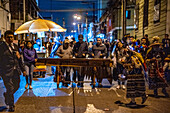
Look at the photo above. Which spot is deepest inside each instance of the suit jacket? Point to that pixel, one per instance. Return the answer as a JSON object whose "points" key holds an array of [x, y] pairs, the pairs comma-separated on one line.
{"points": [[10, 65]]}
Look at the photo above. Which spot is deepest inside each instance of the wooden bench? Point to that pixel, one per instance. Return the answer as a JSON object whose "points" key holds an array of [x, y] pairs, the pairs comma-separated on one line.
{"points": [[39, 71]]}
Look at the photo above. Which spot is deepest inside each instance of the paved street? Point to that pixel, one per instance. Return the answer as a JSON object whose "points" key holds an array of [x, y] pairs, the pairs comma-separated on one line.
{"points": [[46, 98]]}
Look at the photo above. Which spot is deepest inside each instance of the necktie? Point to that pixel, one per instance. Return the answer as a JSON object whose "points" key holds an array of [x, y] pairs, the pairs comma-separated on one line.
{"points": [[14, 54], [11, 47]]}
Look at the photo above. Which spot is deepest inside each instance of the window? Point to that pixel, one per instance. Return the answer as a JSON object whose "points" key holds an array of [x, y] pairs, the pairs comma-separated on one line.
{"points": [[136, 17], [157, 8], [8, 18], [3, 3], [128, 14], [145, 12]]}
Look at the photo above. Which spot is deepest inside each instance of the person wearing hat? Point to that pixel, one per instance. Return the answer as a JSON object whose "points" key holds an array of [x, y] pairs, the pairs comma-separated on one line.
{"points": [[80, 50], [65, 51], [155, 57]]}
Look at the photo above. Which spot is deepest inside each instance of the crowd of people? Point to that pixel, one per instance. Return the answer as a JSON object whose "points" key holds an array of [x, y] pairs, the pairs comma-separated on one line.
{"points": [[135, 62]]}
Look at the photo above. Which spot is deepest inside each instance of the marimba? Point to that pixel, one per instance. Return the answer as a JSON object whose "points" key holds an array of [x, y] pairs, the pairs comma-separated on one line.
{"points": [[75, 62]]}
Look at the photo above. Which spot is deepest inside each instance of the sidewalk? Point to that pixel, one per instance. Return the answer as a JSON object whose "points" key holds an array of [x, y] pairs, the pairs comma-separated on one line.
{"points": [[46, 98]]}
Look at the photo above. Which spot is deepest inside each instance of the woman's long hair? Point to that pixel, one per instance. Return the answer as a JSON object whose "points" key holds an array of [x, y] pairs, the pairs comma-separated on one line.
{"points": [[26, 45]]}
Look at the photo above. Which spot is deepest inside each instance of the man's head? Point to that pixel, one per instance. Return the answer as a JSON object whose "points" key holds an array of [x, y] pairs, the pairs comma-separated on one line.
{"points": [[131, 39], [66, 43], [9, 36], [166, 36], [80, 38], [119, 44], [143, 40], [146, 36], [99, 41]]}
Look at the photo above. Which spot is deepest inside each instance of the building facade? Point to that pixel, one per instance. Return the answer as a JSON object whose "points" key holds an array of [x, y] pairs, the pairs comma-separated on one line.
{"points": [[101, 5], [152, 18], [17, 12], [5, 18], [111, 20]]}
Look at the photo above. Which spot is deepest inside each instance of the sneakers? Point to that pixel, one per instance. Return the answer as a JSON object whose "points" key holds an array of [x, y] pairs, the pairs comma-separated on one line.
{"points": [[144, 99], [11, 108], [30, 87], [118, 87], [123, 87], [26, 86]]}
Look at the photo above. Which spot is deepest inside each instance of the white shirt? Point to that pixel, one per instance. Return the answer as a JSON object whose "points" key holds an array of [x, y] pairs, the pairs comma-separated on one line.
{"points": [[12, 45]]}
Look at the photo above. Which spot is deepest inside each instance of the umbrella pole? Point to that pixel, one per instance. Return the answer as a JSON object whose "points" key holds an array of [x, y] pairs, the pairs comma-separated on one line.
{"points": [[24, 36], [41, 43]]}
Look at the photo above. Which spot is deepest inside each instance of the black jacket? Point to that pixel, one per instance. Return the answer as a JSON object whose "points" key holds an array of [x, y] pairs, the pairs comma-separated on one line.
{"points": [[9, 61], [80, 49]]}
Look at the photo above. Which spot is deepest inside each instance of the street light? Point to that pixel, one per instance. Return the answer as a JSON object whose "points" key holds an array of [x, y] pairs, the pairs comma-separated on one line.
{"points": [[74, 23], [79, 17], [75, 16]]}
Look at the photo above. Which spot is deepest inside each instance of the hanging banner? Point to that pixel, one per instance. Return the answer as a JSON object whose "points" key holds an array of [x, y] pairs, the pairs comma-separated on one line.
{"points": [[156, 16]]}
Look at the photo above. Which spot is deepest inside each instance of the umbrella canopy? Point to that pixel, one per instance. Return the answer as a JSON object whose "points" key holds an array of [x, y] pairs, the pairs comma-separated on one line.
{"points": [[39, 25]]}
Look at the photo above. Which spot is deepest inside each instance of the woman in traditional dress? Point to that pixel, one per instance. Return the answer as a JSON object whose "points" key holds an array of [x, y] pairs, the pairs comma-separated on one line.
{"points": [[155, 61], [135, 77]]}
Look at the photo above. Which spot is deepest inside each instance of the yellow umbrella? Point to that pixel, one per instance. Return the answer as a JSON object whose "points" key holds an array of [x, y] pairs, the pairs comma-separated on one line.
{"points": [[39, 25]]}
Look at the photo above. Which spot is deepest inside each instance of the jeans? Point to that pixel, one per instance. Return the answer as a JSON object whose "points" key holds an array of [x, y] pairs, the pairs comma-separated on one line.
{"points": [[29, 71]]}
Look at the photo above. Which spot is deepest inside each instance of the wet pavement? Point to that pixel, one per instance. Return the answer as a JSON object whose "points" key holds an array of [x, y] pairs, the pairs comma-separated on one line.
{"points": [[46, 98]]}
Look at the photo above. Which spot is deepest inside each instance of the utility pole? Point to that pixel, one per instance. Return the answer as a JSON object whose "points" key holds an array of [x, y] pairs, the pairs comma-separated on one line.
{"points": [[86, 28], [78, 28], [63, 27], [24, 13], [94, 27], [124, 18]]}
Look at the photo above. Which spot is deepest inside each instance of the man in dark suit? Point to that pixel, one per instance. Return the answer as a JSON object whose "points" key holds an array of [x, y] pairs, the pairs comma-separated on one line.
{"points": [[11, 66]]}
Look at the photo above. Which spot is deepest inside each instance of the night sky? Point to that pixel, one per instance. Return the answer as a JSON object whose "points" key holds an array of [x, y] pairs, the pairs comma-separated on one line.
{"points": [[63, 5]]}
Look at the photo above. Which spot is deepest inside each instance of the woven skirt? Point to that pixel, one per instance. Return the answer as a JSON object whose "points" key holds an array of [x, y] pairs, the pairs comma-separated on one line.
{"points": [[135, 86]]}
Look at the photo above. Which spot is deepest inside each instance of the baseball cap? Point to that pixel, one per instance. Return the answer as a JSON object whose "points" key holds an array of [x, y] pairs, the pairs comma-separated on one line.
{"points": [[66, 41]]}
